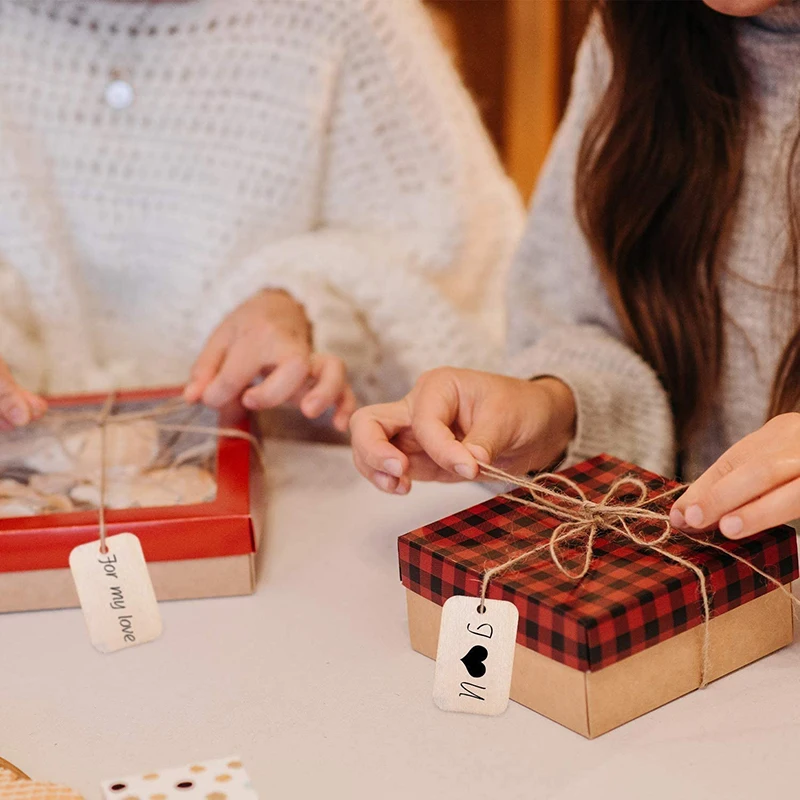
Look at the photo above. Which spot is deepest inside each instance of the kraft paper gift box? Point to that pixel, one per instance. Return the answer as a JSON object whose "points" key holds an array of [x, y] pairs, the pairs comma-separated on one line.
{"points": [[198, 549], [626, 638]]}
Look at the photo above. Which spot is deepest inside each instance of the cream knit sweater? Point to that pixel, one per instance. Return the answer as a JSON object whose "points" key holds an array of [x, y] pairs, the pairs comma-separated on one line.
{"points": [[322, 146], [562, 322]]}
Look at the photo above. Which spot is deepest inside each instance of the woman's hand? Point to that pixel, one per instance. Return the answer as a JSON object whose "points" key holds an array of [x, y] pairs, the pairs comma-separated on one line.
{"points": [[454, 418], [269, 337], [18, 406], [753, 486]]}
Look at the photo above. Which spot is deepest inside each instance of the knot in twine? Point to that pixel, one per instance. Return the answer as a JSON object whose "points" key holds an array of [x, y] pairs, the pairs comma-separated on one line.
{"points": [[582, 520]]}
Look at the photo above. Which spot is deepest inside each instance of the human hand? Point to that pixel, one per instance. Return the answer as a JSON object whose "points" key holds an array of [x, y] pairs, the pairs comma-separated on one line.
{"points": [[753, 486], [452, 419], [269, 337], [18, 406]]}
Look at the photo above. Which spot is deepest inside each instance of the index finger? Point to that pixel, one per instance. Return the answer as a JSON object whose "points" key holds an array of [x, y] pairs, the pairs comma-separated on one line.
{"points": [[697, 506], [206, 366], [241, 364], [435, 410]]}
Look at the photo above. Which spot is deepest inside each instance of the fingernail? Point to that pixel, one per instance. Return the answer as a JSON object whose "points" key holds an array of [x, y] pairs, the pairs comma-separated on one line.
{"points": [[18, 415], [312, 409], [385, 482], [676, 518], [731, 526], [393, 467], [250, 402], [402, 488], [465, 471], [694, 516], [480, 453]]}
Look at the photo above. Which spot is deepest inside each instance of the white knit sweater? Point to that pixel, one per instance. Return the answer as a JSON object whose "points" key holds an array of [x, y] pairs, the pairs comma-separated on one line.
{"points": [[322, 146], [563, 323]]}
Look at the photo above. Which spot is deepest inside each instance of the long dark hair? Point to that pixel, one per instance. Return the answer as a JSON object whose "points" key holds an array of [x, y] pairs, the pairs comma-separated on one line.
{"points": [[659, 174]]}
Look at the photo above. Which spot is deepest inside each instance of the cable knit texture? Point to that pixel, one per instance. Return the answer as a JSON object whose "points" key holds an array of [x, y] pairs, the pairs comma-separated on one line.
{"points": [[321, 146], [561, 321]]}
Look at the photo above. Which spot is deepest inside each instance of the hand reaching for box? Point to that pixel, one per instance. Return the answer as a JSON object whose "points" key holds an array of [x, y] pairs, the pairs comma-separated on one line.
{"points": [[18, 406], [269, 337]]}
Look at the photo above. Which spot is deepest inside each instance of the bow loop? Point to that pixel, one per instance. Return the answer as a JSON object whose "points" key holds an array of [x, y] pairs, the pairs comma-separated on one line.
{"points": [[581, 520]]}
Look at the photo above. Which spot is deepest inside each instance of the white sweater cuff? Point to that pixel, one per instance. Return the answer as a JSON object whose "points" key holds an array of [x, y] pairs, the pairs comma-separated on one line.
{"points": [[622, 409]]}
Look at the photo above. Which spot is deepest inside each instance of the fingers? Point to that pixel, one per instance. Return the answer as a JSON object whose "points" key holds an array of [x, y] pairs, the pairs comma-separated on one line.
{"points": [[693, 500], [241, 364], [18, 407], [37, 404], [286, 380], [375, 457], [774, 508], [331, 380], [383, 481], [705, 507], [436, 408], [754, 466], [345, 408], [482, 440], [207, 365]]}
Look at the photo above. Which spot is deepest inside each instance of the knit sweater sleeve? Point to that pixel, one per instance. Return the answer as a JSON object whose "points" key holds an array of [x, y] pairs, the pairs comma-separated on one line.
{"points": [[561, 320], [18, 345], [417, 223]]}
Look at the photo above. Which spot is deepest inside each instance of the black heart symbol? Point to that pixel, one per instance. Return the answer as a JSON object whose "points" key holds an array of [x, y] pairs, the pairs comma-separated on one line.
{"points": [[473, 661]]}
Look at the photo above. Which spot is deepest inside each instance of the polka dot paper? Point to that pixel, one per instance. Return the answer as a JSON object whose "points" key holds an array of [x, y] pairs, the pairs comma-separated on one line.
{"points": [[221, 779]]}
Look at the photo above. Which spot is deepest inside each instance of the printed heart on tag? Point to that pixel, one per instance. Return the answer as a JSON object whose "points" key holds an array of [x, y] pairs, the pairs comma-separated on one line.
{"points": [[473, 661]]}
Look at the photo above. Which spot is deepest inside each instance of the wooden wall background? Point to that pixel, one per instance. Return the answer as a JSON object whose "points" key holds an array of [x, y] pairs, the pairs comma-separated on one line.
{"points": [[516, 57]]}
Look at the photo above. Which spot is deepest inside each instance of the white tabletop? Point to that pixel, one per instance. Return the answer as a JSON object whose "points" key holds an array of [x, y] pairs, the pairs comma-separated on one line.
{"points": [[312, 681]]}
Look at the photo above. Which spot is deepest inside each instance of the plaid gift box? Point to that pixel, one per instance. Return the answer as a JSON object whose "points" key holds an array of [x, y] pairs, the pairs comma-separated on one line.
{"points": [[595, 653]]}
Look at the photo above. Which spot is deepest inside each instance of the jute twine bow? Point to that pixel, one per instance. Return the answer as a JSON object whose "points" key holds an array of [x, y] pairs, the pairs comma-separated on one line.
{"points": [[582, 520], [106, 416]]}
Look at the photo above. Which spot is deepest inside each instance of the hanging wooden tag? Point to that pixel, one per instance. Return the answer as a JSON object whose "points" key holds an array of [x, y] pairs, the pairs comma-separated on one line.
{"points": [[116, 594], [475, 656]]}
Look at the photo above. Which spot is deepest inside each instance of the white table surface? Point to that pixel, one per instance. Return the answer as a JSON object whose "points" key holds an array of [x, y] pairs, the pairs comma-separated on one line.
{"points": [[312, 681]]}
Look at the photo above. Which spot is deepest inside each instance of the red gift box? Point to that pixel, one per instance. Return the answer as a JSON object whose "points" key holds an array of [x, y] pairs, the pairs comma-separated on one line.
{"points": [[610, 631], [199, 550]]}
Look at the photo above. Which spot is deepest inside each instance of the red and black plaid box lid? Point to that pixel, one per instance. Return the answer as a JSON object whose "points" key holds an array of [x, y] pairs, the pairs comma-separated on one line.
{"points": [[632, 598]]}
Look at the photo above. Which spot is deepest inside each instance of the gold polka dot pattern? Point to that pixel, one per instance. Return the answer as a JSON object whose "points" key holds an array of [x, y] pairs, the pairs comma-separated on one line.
{"points": [[215, 779]]}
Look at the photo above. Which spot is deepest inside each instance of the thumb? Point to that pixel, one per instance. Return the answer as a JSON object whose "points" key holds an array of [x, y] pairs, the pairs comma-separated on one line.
{"points": [[481, 452], [483, 439]]}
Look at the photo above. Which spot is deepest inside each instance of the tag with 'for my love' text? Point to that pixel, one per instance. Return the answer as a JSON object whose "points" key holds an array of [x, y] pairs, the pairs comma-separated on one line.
{"points": [[116, 594], [475, 656]]}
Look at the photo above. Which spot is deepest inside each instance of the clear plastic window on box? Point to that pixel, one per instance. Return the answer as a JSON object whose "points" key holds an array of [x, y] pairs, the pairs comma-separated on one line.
{"points": [[54, 465]]}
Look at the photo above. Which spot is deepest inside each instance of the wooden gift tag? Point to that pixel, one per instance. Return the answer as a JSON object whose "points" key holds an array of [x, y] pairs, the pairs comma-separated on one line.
{"points": [[475, 656], [116, 594]]}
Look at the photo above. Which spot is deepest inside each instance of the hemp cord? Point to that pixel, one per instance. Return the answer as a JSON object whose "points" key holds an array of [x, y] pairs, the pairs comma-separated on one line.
{"points": [[584, 519], [102, 419], [106, 417]]}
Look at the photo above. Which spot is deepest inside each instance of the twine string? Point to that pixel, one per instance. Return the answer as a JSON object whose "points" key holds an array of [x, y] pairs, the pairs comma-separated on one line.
{"points": [[102, 420], [582, 520], [107, 416]]}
